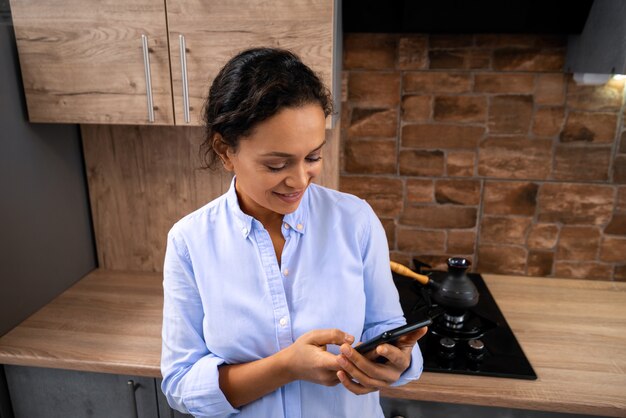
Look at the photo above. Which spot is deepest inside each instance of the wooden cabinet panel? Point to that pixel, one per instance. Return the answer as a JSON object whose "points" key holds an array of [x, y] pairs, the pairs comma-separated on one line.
{"points": [[216, 30], [82, 61], [142, 179]]}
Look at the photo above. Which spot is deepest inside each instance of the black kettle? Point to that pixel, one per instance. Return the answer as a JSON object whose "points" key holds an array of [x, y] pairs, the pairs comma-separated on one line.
{"points": [[455, 291]]}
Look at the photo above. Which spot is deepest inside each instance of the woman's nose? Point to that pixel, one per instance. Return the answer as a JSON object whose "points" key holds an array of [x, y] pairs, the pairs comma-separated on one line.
{"points": [[299, 177]]}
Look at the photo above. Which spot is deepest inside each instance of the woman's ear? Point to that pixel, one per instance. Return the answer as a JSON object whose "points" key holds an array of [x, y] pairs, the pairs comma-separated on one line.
{"points": [[221, 148]]}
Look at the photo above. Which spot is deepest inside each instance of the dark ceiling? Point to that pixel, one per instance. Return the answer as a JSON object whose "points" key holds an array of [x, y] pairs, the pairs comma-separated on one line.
{"points": [[465, 16]]}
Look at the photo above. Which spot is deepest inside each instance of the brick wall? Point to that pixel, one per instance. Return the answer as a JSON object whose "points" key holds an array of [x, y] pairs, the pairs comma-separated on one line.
{"points": [[480, 146]]}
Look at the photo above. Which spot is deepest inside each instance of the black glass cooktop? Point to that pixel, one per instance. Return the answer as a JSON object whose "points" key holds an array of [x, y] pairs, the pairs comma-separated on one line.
{"points": [[477, 341]]}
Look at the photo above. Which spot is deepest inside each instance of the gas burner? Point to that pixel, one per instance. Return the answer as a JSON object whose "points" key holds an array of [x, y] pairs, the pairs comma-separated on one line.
{"points": [[454, 320], [475, 341], [464, 326]]}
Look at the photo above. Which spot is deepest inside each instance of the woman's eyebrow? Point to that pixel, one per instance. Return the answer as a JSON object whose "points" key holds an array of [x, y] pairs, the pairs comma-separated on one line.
{"points": [[284, 154]]}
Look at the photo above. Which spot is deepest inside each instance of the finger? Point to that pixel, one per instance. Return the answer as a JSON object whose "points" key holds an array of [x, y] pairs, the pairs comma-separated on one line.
{"points": [[400, 359], [327, 336], [411, 338], [370, 355], [353, 386], [330, 379], [328, 361], [366, 372]]}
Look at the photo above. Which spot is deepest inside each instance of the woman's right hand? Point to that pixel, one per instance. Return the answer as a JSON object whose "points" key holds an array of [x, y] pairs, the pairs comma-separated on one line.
{"points": [[305, 359], [308, 359]]}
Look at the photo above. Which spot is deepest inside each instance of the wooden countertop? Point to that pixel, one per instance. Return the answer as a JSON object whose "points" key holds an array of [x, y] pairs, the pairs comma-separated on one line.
{"points": [[572, 331], [107, 322]]}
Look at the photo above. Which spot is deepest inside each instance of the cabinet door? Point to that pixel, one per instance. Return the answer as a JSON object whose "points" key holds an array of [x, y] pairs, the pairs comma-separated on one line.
{"points": [[215, 30], [82, 61], [50, 393]]}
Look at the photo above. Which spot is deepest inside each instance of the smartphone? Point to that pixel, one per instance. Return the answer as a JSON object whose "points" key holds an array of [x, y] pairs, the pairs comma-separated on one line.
{"points": [[391, 335]]}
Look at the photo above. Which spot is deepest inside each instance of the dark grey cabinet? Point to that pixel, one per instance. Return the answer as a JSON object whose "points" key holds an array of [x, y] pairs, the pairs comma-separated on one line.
{"points": [[55, 393]]}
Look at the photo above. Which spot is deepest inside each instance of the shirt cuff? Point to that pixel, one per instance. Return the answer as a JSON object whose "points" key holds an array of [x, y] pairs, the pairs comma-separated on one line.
{"points": [[415, 368], [198, 392]]}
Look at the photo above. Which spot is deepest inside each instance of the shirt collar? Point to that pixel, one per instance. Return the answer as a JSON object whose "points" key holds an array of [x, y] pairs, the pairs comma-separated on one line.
{"points": [[297, 220], [244, 221]]}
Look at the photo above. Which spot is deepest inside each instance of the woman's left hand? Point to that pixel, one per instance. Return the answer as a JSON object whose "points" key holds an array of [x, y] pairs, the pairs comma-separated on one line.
{"points": [[361, 374]]}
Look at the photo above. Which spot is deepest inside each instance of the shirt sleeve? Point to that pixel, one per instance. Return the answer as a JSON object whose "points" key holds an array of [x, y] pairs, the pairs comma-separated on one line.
{"points": [[189, 369], [383, 310]]}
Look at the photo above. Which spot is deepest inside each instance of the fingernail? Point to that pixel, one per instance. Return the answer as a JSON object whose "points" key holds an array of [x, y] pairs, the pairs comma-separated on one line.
{"points": [[345, 350], [342, 361], [349, 338], [382, 350]]}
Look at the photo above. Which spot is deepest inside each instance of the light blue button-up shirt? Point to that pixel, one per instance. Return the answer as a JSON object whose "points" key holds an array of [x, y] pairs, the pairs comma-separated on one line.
{"points": [[227, 300]]}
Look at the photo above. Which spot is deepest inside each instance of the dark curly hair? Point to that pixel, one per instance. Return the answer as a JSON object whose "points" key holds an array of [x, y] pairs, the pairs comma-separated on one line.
{"points": [[252, 87]]}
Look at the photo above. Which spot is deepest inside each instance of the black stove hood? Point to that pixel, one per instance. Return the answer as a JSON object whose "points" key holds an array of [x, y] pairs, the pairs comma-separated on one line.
{"points": [[465, 16]]}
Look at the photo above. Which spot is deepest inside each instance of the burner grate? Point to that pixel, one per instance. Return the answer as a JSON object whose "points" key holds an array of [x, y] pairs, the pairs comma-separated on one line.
{"points": [[470, 326]]}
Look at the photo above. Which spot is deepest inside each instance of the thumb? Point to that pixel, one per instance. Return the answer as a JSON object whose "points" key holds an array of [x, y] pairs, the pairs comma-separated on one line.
{"points": [[327, 336], [411, 338]]}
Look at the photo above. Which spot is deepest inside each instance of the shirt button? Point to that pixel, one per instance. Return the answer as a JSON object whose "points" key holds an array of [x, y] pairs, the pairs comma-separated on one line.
{"points": [[299, 226], [286, 272], [286, 225], [283, 322], [244, 230]]}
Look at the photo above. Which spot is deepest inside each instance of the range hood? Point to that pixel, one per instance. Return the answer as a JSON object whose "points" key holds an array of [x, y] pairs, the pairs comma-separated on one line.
{"points": [[600, 50], [595, 29]]}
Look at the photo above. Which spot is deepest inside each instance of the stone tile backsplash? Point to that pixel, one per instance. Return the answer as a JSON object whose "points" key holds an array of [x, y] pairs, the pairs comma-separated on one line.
{"points": [[481, 146]]}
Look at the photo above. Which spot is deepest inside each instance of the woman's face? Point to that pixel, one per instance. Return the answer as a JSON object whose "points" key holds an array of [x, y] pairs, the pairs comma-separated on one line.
{"points": [[276, 163]]}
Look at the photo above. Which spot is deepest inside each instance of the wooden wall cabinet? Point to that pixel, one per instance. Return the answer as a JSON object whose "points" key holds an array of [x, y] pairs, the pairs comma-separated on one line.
{"points": [[215, 30], [84, 61]]}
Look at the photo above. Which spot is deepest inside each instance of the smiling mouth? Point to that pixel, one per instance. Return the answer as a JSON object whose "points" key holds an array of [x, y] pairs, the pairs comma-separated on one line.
{"points": [[289, 197]]}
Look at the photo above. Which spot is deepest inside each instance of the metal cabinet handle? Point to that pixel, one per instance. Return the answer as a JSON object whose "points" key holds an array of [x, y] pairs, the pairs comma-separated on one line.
{"points": [[146, 65], [131, 388], [183, 69]]}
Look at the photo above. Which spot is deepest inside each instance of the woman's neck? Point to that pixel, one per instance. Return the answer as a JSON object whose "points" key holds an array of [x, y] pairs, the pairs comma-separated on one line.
{"points": [[269, 219]]}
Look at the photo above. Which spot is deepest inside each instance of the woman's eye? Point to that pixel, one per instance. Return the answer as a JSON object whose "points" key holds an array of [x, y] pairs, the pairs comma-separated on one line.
{"points": [[276, 167]]}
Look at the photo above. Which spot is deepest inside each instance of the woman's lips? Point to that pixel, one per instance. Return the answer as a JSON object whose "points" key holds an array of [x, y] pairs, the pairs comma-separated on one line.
{"points": [[289, 197]]}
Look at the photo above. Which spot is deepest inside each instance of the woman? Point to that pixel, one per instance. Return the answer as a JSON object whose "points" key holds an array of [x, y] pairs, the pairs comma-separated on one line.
{"points": [[268, 286]]}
